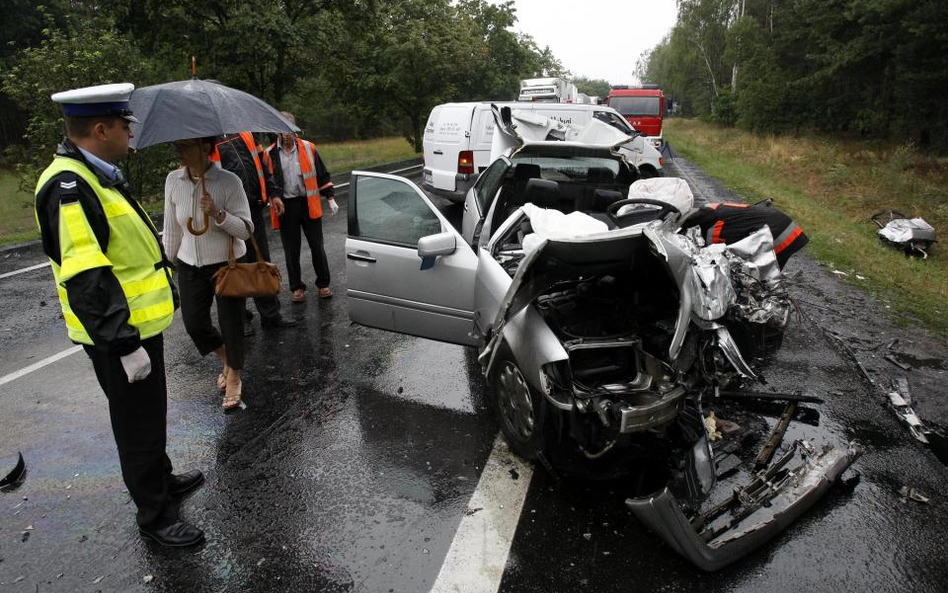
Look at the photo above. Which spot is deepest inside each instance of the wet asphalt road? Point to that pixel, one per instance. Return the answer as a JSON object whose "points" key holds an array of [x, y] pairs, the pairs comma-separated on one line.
{"points": [[354, 463]]}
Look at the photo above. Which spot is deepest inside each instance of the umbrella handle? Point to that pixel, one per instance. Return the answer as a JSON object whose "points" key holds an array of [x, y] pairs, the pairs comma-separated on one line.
{"points": [[200, 231], [207, 219]]}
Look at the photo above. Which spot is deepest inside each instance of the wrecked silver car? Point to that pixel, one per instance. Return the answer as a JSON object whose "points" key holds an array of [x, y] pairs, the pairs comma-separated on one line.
{"points": [[604, 325]]}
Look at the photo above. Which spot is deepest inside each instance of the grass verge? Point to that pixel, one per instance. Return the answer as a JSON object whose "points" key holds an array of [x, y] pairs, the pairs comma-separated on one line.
{"points": [[831, 188], [16, 207]]}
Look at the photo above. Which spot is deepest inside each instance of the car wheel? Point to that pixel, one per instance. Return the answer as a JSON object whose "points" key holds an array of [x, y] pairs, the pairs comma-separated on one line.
{"points": [[647, 172], [521, 410]]}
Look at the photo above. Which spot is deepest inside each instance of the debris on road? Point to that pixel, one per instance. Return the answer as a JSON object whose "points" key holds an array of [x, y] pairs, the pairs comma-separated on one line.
{"points": [[912, 235], [907, 415], [897, 362], [912, 493], [775, 438]]}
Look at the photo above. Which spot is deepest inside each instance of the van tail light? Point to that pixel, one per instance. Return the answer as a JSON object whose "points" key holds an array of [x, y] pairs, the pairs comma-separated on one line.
{"points": [[466, 162]]}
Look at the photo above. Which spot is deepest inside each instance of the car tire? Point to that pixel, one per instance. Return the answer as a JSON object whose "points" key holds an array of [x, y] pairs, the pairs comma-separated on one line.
{"points": [[647, 172], [521, 410]]}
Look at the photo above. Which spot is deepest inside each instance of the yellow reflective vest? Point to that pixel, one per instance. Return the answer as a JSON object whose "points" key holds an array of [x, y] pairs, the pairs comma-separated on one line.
{"points": [[132, 253]]}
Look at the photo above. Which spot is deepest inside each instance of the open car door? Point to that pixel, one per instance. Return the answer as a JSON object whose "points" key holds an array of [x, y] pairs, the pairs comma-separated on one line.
{"points": [[408, 270]]}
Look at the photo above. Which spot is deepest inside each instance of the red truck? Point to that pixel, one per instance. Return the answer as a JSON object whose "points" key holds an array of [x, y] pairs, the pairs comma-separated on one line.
{"points": [[643, 106]]}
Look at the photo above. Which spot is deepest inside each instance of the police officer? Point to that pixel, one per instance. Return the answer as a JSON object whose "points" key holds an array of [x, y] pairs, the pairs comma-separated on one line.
{"points": [[117, 296]]}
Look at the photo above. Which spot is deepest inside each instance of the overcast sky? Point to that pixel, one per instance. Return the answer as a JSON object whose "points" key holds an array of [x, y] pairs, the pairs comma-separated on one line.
{"points": [[596, 38]]}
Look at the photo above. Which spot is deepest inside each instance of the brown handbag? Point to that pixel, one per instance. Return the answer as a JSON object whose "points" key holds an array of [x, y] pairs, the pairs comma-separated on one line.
{"points": [[257, 279]]}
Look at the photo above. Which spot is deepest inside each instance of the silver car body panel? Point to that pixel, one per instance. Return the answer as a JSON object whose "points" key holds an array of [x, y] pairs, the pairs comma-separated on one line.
{"points": [[388, 289]]}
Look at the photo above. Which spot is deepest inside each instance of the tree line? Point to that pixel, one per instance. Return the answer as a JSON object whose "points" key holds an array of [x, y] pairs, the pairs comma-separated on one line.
{"points": [[876, 68], [347, 69]]}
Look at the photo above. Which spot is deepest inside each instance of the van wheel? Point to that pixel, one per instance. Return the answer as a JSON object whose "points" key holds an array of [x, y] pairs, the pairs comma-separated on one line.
{"points": [[521, 410]]}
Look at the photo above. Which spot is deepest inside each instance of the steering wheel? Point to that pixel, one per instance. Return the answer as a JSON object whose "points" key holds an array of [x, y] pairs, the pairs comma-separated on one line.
{"points": [[664, 209]]}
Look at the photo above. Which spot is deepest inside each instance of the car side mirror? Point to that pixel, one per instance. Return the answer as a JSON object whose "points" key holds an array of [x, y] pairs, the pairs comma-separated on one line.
{"points": [[432, 246]]}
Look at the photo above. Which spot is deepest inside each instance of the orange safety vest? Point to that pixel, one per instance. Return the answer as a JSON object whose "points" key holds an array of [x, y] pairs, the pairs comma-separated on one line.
{"points": [[247, 137], [307, 152]]}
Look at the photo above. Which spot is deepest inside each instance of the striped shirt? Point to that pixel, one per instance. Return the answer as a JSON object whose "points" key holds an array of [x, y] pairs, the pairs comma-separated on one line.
{"points": [[293, 186], [183, 200]]}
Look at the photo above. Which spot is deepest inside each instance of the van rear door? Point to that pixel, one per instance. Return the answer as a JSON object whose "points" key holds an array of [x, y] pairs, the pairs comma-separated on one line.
{"points": [[445, 136]]}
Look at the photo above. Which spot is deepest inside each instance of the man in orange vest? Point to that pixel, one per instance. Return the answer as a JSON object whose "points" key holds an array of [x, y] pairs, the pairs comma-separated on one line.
{"points": [[297, 167], [240, 154]]}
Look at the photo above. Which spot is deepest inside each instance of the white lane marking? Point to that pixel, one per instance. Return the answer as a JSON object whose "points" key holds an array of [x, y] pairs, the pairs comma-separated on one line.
{"points": [[38, 365], [23, 270], [478, 555]]}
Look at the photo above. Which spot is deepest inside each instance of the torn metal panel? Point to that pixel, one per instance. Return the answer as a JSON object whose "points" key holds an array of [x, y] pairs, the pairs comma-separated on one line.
{"points": [[795, 491], [907, 415], [912, 235]]}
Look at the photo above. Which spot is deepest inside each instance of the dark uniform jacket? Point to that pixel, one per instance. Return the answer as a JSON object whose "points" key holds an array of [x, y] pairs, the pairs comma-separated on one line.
{"points": [[95, 295], [237, 158]]}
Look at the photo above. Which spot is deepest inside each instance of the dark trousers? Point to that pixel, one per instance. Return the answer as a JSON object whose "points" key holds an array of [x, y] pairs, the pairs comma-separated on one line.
{"points": [[295, 218], [268, 307], [138, 412], [197, 292]]}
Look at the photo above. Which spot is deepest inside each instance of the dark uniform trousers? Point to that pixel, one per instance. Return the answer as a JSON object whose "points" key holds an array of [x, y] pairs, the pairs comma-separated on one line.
{"points": [[138, 412], [296, 217], [268, 307]]}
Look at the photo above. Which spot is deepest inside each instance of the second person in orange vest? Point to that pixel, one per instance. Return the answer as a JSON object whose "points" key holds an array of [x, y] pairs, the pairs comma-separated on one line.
{"points": [[297, 167]]}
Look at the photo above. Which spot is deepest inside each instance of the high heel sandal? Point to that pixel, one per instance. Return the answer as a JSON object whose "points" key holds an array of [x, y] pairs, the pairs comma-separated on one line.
{"points": [[232, 396], [222, 382]]}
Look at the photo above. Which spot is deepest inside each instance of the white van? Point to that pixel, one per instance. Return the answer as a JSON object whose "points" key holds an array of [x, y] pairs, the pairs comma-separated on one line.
{"points": [[458, 137]]}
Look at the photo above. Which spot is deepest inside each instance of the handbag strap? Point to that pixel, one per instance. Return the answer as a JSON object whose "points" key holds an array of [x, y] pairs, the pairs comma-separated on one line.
{"points": [[231, 260]]}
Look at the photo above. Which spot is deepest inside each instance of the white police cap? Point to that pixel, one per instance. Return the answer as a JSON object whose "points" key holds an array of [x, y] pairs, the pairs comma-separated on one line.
{"points": [[103, 99]]}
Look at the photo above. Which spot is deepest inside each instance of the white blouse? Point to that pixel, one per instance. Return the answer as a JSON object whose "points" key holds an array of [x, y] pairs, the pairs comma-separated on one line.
{"points": [[183, 200]]}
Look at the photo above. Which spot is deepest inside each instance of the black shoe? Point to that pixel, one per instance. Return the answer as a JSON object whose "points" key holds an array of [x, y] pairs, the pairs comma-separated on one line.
{"points": [[181, 484], [176, 535], [279, 322], [248, 329]]}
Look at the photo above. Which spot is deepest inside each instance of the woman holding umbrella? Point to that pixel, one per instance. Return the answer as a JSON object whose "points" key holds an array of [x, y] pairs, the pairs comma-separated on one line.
{"points": [[201, 189]]}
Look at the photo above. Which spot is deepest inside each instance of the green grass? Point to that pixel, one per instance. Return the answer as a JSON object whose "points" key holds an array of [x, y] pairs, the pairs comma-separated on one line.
{"points": [[16, 210], [831, 187], [346, 156], [16, 207]]}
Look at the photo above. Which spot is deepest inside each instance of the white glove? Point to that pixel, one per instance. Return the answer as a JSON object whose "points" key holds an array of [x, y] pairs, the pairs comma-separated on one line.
{"points": [[137, 365], [333, 207]]}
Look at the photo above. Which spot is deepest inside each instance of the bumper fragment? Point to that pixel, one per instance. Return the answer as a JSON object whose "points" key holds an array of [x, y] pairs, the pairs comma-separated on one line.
{"points": [[798, 490]]}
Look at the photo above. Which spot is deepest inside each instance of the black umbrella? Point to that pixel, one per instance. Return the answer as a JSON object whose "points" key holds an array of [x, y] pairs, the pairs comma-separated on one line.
{"points": [[196, 109]]}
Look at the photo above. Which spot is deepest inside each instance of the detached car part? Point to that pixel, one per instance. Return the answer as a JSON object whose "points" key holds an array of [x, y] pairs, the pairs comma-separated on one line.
{"points": [[761, 510], [912, 235]]}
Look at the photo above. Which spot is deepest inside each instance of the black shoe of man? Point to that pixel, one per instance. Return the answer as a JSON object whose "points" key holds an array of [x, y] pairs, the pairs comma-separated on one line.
{"points": [[177, 535], [279, 322], [180, 485]]}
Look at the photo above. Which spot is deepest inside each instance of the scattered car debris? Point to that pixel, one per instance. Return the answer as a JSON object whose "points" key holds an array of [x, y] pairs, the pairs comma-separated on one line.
{"points": [[776, 436], [148, 578], [907, 415], [912, 235], [897, 362], [912, 493], [789, 397]]}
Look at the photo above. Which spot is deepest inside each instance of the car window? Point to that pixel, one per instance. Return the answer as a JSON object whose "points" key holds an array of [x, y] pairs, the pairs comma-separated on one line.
{"points": [[645, 106], [488, 183], [566, 169], [391, 211], [616, 122]]}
